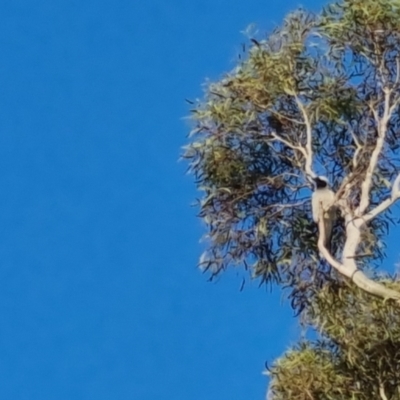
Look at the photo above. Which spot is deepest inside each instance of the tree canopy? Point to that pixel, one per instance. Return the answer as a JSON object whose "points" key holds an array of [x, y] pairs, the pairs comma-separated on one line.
{"points": [[357, 354], [319, 95]]}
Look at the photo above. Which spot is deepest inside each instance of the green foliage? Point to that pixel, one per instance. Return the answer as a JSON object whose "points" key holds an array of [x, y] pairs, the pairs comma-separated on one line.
{"points": [[316, 85], [357, 356], [321, 72]]}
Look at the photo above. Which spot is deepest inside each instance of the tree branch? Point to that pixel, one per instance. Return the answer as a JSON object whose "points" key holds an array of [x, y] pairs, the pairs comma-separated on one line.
{"points": [[382, 393], [358, 148], [386, 203], [325, 252], [382, 127], [348, 267], [308, 149], [378, 209], [396, 188], [397, 72], [290, 145]]}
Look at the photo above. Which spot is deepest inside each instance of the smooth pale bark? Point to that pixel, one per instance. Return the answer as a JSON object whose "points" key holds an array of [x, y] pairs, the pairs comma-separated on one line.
{"points": [[348, 266]]}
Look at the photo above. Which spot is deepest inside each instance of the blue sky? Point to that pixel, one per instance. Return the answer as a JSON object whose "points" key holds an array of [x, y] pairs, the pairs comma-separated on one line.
{"points": [[100, 297]]}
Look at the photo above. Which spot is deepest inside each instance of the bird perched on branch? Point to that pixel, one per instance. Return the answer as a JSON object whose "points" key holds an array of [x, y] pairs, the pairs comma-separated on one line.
{"points": [[323, 197]]}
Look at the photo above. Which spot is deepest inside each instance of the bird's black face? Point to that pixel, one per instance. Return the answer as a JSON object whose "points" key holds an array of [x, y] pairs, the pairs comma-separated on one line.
{"points": [[320, 183]]}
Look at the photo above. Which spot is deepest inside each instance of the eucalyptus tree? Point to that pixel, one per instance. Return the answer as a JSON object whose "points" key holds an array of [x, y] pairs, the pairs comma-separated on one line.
{"points": [[319, 95]]}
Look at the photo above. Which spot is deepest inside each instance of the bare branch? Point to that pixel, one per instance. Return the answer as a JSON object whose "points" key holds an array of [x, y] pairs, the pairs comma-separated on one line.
{"points": [[283, 206], [374, 288], [358, 147], [386, 203], [382, 393], [377, 210], [396, 188], [288, 144], [325, 252], [393, 106], [328, 256], [283, 116], [349, 267], [308, 149], [382, 127]]}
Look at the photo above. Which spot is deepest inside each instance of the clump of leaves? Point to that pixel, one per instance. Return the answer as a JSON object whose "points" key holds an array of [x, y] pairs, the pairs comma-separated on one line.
{"points": [[357, 355]]}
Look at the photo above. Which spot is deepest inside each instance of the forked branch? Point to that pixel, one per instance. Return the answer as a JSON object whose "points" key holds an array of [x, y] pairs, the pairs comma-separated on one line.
{"points": [[308, 149], [348, 267], [382, 125], [386, 203]]}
